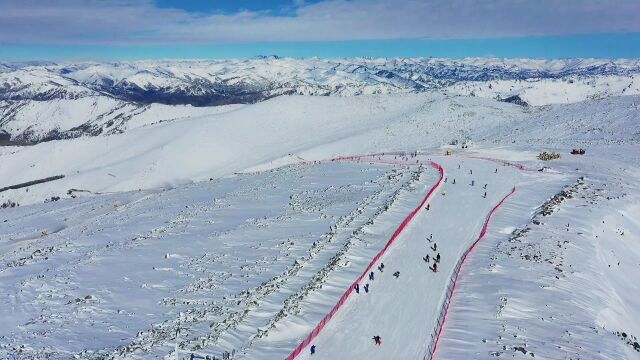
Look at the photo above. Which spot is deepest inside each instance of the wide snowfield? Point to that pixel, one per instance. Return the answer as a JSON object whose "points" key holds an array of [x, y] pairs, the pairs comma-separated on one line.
{"points": [[161, 257], [218, 260]]}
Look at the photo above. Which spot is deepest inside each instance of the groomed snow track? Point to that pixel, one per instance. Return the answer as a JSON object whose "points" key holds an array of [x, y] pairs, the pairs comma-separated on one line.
{"points": [[435, 337], [393, 238], [450, 289]]}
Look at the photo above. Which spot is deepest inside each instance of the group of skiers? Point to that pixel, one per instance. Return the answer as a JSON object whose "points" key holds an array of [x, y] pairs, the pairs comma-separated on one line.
{"points": [[473, 183], [436, 258], [427, 259]]}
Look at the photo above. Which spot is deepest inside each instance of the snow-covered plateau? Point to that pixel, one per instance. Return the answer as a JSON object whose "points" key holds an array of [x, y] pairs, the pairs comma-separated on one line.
{"points": [[165, 229]]}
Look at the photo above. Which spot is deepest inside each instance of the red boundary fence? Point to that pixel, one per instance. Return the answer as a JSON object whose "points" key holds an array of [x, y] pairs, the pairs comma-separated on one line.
{"points": [[435, 335], [350, 290]]}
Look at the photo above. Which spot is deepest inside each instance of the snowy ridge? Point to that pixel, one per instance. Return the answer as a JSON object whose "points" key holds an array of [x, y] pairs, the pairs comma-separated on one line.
{"points": [[31, 92], [32, 121], [198, 148], [212, 82]]}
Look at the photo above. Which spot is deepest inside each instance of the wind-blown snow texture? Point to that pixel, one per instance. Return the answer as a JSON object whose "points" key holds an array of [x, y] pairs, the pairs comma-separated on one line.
{"points": [[225, 229]]}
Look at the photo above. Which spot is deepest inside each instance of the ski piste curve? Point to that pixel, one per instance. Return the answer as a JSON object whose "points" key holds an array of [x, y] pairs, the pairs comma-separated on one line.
{"points": [[431, 351], [318, 328], [376, 157]]}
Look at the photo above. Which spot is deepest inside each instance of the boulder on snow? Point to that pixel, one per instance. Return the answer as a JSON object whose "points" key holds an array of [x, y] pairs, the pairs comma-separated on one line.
{"points": [[515, 99]]}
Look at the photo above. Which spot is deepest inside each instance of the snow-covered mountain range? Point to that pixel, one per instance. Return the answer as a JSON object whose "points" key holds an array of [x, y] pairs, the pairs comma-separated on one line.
{"points": [[155, 229], [217, 82], [44, 101]]}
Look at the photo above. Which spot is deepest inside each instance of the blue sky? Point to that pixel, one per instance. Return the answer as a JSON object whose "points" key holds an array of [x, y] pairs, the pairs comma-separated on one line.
{"points": [[282, 7], [150, 29]]}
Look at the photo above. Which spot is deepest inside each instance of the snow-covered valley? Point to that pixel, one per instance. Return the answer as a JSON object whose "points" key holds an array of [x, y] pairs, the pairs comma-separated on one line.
{"points": [[232, 231]]}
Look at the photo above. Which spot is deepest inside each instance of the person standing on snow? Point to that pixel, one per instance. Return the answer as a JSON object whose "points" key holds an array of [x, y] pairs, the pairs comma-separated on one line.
{"points": [[426, 258], [396, 274], [357, 288], [435, 267], [313, 349], [438, 258], [371, 277], [377, 340], [366, 288], [434, 247]]}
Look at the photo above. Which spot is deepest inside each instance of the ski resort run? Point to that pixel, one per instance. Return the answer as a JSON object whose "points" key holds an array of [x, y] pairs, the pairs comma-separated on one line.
{"points": [[261, 307], [406, 226]]}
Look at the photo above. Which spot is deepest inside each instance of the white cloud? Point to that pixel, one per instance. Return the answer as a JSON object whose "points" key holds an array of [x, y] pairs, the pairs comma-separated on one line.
{"points": [[140, 22]]}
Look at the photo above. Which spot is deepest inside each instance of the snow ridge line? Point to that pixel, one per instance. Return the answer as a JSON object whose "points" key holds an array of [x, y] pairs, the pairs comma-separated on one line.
{"points": [[372, 157], [314, 333], [414, 154], [505, 162], [431, 349]]}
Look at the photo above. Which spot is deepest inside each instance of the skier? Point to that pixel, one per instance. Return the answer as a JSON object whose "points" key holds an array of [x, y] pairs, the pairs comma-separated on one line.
{"points": [[357, 288], [445, 180], [396, 274], [381, 265], [485, 186], [454, 181], [377, 340], [313, 349], [434, 268], [438, 258], [485, 195], [473, 182], [371, 276], [495, 172], [426, 258], [380, 268], [470, 172], [366, 288], [458, 166], [434, 247], [428, 207]]}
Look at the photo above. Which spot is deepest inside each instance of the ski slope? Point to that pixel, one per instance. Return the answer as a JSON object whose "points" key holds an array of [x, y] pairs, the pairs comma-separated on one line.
{"points": [[559, 285], [238, 233], [403, 311], [65, 275]]}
